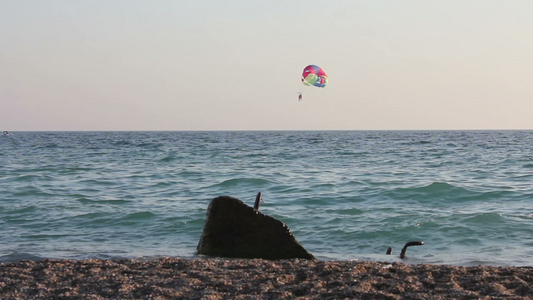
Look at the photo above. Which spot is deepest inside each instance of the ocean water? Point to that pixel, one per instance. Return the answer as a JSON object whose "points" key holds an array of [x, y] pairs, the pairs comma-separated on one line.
{"points": [[345, 194]]}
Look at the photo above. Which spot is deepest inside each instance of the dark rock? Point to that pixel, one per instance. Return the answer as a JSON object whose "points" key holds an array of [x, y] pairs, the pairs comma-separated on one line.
{"points": [[234, 229]]}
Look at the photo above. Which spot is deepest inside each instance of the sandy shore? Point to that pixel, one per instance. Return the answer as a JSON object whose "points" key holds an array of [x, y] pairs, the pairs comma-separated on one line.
{"points": [[173, 278]]}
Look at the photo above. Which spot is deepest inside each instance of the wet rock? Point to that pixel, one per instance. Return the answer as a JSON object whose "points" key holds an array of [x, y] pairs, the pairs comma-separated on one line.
{"points": [[234, 229]]}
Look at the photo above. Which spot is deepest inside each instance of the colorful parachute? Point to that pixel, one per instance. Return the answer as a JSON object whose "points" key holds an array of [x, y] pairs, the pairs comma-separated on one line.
{"points": [[315, 76]]}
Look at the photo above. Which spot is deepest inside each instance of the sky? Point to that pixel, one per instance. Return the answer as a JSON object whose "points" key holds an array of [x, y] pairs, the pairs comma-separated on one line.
{"points": [[93, 65]]}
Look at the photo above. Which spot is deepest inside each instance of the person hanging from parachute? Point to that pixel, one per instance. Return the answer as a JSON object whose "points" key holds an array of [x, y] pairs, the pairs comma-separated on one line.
{"points": [[313, 76]]}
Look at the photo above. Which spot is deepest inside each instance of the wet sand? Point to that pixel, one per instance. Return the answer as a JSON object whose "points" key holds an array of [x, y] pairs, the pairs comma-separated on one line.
{"points": [[174, 278]]}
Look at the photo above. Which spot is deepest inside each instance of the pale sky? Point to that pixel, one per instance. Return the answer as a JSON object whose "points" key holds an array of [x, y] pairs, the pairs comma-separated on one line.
{"points": [[236, 64]]}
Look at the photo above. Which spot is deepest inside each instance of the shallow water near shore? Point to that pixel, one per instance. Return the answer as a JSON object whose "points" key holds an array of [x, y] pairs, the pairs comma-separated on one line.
{"points": [[345, 194]]}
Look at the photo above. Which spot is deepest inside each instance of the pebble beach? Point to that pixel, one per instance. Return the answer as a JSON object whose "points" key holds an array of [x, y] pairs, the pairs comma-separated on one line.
{"points": [[214, 278]]}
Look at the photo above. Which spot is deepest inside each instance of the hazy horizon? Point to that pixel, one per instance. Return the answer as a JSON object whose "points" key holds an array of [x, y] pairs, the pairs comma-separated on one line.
{"points": [[236, 66]]}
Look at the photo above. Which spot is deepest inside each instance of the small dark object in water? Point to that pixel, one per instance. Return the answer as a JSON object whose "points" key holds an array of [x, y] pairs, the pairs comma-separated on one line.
{"points": [[409, 244], [258, 198], [416, 243]]}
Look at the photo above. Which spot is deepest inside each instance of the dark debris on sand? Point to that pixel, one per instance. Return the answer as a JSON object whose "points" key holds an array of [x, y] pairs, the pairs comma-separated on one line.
{"points": [[174, 278]]}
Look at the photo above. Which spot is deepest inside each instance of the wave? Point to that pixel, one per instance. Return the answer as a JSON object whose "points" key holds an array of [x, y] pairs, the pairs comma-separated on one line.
{"points": [[138, 216], [50, 146], [432, 192], [452, 193], [346, 211], [168, 158], [285, 189], [171, 156], [99, 217], [122, 143], [24, 210], [243, 181], [96, 182], [323, 186], [18, 256], [91, 201], [31, 191], [483, 218], [438, 187], [421, 142], [25, 178]]}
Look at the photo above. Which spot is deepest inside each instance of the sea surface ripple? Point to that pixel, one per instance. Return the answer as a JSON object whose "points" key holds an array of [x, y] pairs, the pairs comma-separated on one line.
{"points": [[345, 194]]}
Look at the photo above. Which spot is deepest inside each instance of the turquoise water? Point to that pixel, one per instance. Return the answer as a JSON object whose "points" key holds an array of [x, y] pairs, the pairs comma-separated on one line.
{"points": [[345, 194]]}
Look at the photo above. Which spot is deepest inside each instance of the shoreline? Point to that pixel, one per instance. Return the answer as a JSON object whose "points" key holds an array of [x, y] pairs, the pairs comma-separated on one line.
{"points": [[220, 278]]}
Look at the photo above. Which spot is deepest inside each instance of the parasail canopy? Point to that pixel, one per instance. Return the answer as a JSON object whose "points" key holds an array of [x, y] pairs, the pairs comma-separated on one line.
{"points": [[314, 76]]}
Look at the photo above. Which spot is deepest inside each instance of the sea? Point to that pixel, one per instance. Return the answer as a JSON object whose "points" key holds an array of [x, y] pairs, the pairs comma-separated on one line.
{"points": [[345, 195]]}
